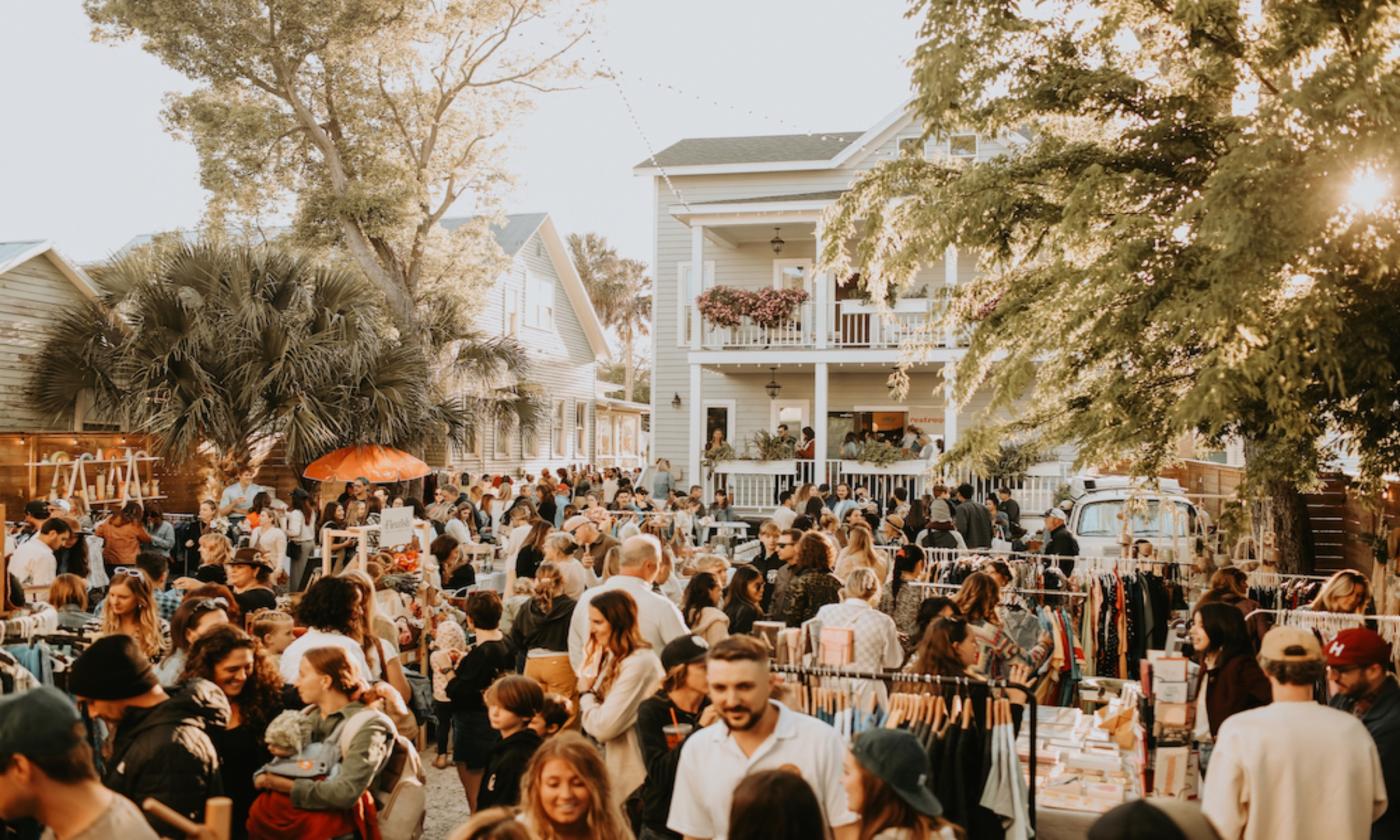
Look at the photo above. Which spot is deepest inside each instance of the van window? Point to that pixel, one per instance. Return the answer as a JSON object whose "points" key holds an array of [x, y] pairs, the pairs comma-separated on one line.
{"points": [[1160, 519]]}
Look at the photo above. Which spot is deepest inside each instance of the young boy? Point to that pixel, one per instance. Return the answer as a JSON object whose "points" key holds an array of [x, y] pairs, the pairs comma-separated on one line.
{"points": [[553, 716], [511, 703]]}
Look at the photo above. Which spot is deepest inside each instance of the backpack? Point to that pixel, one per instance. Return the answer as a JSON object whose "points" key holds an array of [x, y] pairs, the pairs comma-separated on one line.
{"points": [[400, 788]]}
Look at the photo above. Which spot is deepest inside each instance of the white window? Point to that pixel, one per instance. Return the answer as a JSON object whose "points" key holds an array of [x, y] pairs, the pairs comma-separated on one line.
{"points": [[686, 293], [560, 429], [503, 441], [510, 309], [580, 429], [962, 145], [539, 301], [605, 434]]}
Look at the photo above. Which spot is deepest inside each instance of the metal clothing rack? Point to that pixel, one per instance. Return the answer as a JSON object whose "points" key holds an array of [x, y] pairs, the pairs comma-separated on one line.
{"points": [[931, 679], [953, 587], [1360, 618]]}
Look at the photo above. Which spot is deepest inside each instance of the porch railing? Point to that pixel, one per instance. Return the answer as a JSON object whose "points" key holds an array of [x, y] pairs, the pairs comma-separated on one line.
{"points": [[759, 492], [850, 324], [796, 330]]}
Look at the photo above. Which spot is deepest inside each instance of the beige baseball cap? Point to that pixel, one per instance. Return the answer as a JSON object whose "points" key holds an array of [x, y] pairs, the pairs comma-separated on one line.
{"points": [[1291, 644]]}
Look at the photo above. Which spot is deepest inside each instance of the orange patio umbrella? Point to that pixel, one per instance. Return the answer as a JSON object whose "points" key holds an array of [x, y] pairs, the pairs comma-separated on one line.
{"points": [[379, 464]]}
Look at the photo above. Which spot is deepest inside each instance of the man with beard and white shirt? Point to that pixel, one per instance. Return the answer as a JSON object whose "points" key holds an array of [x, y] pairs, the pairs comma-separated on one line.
{"points": [[754, 733]]}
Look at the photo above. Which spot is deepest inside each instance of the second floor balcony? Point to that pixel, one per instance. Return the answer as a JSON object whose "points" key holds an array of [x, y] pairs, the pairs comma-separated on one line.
{"points": [[848, 324]]}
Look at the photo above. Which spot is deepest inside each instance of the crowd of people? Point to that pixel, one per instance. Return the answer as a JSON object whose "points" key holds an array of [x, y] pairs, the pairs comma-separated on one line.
{"points": [[615, 685]]}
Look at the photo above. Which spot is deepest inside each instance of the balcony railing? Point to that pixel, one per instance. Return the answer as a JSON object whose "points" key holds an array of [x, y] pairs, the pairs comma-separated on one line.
{"points": [[758, 491], [850, 324]]}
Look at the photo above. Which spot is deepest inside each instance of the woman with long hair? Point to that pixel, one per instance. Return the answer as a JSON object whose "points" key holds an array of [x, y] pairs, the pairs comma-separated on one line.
{"points": [[378, 638], [327, 681], [1231, 679], [122, 536], [814, 586], [568, 794], [700, 608], [269, 540], [1230, 585], [1347, 591], [541, 631], [531, 552], [949, 648], [232, 660], [336, 517], [743, 599], [885, 785], [978, 602], [620, 671], [162, 532], [457, 571], [215, 553], [331, 612], [130, 610], [860, 553], [300, 527], [901, 600], [194, 618], [828, 524], [71, 556]]}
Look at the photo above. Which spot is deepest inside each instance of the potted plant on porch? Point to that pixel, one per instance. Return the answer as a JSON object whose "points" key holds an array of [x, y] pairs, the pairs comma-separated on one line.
{"points": [[878, 457], [772, 455]]}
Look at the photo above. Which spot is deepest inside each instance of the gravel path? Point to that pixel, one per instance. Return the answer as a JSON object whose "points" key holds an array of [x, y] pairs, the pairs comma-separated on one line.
{"points": [[447, 805]]}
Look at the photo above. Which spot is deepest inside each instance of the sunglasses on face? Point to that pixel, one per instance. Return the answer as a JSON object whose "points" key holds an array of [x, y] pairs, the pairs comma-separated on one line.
{"points": [[784, 545]]}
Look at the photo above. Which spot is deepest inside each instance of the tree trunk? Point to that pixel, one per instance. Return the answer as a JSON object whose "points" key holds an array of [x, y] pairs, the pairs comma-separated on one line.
{"points": [[1280, 516], [629, 366]]}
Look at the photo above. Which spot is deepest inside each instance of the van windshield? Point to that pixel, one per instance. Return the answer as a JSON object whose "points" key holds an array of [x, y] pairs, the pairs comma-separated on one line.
{"points": [[1160, 518]]}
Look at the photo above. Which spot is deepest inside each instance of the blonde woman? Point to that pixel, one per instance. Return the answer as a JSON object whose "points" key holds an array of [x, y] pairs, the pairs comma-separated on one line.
{"points": [[828, 524], [562, 550], [1347, 591], [215, 553], [130, 610], [875, 638], [860, 553], [269, 540], [542, 631], [567, 793]]}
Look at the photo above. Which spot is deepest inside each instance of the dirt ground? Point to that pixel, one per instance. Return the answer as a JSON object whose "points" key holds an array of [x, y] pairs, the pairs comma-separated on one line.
{"points": [[447, 805]]}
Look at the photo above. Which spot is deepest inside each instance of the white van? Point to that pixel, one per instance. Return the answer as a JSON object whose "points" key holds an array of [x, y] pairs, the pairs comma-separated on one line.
{"points": [[1170, 521]]}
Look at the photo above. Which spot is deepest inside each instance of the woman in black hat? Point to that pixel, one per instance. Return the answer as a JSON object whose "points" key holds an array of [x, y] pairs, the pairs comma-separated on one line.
{"points": [[250, 576], [886, 780]]}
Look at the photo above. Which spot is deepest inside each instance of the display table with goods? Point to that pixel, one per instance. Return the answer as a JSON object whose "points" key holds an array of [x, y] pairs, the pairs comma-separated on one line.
{"points": [[1084, 764]]}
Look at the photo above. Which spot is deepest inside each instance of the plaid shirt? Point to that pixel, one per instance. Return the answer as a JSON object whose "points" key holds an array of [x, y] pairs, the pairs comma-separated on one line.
{"points": [[167, 602]]}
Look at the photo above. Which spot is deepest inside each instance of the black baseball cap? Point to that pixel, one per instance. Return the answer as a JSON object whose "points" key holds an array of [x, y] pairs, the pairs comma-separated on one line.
{"points": [[896, 758], [39, 722], [39, 509], [684, 650]]}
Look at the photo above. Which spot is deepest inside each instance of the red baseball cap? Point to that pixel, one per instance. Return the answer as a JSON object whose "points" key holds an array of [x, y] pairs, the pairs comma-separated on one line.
{"points": [[1357, 646]]}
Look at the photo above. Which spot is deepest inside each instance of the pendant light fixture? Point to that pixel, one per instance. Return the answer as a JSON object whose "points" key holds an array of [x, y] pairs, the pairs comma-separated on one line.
{"points": [[773, 387], [777, 240]]}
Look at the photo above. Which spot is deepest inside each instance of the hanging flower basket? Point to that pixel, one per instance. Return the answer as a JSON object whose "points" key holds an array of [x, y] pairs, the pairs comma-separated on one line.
{"points": [[725, 306], [772, 307]]}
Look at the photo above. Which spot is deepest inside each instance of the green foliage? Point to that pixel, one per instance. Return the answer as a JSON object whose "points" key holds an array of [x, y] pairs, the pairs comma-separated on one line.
{"points": [[881, 453], [1153, 261], [615, 373], [621, 293], [220, 351], [370, 118], [1009, 461], [716, 454], [770, 447]]}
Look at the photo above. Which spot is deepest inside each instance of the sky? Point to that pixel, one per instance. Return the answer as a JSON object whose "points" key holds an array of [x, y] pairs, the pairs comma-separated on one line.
{"points": [[85, 162]]}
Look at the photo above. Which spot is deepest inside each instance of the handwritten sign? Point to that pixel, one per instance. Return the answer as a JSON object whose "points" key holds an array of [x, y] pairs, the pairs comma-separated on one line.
{"points": [[396, 527]]}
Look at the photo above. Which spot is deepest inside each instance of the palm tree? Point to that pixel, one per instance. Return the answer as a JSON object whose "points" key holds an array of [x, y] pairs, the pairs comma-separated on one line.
{"points": [[219, 351], [621, 293]]}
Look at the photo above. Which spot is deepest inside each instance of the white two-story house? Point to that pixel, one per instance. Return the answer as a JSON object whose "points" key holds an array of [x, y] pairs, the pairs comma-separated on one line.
{"points": [[745, 212], [542, 303]]}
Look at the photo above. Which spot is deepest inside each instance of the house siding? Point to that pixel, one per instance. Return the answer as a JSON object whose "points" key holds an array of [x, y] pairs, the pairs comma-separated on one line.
{"points": [[562, 366], [33, 296], [750, 265]]}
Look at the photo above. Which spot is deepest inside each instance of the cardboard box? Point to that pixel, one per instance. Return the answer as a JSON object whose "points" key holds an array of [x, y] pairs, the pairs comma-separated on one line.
{"points": [[1172, 714]]}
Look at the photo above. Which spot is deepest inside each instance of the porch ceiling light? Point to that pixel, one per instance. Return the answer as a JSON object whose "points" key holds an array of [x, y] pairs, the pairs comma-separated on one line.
{"points": [[777, 240], [773, 387]]}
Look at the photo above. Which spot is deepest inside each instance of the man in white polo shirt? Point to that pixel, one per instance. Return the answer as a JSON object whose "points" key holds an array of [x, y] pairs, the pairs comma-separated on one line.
{"points": [[754, 733], [658, 620]]}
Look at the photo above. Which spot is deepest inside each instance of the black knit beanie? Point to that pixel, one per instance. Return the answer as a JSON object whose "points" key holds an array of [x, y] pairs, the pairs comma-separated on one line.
{"points": [[112, 668]]}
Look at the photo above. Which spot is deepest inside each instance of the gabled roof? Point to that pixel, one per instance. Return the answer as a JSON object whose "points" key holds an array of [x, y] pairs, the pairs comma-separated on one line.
{"points": [[14, 254], [772, 148], [512, 235]]}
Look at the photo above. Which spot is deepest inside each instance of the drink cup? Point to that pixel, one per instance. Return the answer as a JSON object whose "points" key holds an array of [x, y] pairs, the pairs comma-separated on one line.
{"points": [[676, 734]]}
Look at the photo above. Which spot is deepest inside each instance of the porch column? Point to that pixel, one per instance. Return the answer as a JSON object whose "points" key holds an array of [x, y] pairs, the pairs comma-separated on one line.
{"points": [[697, 427], [950, 279], [950, 408], [697, 283], [819, 412], [822, 295]]}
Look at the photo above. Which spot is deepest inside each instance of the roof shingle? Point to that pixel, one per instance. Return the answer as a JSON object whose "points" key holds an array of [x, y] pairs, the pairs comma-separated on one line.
{"points": [[772, 148]]}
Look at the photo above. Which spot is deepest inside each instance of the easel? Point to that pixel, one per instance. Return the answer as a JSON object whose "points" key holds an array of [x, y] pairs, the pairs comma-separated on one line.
{"points": [[358, 533]]}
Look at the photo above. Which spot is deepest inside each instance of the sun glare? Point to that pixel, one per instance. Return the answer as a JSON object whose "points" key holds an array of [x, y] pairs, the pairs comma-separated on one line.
{"points": [[1369, 190]]}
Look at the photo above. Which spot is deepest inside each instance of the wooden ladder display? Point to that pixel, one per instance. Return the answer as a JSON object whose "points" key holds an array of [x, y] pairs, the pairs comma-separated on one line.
{"points": [[121, 484]]}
